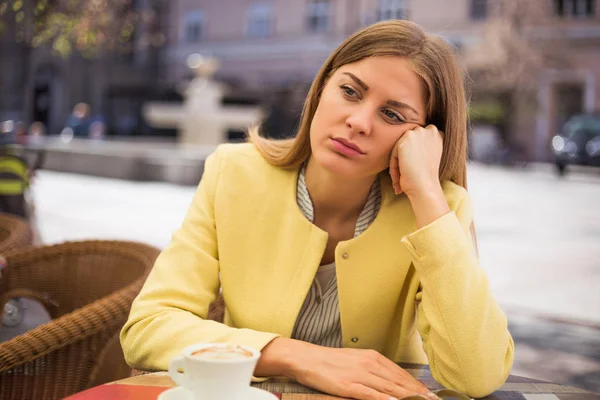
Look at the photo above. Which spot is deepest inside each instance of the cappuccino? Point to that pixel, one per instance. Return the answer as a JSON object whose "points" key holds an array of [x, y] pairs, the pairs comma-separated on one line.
{"points": [[215, 371], [222, 353]]}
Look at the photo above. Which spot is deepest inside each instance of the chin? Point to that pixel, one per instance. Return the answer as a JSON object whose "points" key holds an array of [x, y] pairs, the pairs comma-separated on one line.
{"points": [[337, 164]]}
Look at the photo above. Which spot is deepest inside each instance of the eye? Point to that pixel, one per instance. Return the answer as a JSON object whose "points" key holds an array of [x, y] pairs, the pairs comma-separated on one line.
{"points": [[348, 91], [393, 116]]}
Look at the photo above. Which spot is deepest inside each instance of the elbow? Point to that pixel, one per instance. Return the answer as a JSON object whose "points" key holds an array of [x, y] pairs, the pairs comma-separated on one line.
{"points": [[480, 379], [486, 384], [477, 385], [132, 347], [126, 339]]}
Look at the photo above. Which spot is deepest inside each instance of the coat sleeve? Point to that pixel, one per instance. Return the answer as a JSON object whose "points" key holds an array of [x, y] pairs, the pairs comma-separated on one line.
{"points": [[464, 331], [170, 311]]}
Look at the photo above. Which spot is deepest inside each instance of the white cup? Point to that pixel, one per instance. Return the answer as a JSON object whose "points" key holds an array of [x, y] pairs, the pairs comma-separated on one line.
{"points": [[215, 378]]}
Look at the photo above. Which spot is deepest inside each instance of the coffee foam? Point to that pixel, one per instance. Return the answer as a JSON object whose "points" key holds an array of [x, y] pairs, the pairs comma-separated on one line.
{"points": [[222, 353]]}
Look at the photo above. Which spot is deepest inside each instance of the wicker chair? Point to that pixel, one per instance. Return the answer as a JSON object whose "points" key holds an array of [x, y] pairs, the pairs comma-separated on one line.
{"points": [[14, 232], [87, 288]]}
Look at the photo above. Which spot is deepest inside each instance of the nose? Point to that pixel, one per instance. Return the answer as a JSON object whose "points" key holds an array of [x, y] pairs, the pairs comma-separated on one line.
{"points": [[360, 121]]}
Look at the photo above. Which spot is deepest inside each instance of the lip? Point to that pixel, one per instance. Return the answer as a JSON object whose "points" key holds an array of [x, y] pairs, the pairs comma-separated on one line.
{"points": [[347, 147]]}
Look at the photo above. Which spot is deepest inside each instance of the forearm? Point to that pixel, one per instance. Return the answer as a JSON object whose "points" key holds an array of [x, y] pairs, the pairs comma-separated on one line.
{"points": [[170, 312], [464, 332], [150, 342], [463, 328], [457, 307]]}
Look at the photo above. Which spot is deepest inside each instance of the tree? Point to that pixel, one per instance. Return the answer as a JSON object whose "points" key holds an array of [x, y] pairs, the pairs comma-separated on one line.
{"points": [[518, 43], [89, 27]]}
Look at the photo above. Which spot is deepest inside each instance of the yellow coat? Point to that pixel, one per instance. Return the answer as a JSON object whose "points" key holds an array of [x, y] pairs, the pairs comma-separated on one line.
{"points": [[416, 296]]}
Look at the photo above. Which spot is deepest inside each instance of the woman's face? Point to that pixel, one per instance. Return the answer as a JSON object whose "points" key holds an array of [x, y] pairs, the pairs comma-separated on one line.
{"points": [[364, 109]]}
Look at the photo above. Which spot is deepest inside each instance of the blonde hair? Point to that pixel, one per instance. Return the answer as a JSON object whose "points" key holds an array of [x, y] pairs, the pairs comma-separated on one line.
{"points": [[433, 59]]}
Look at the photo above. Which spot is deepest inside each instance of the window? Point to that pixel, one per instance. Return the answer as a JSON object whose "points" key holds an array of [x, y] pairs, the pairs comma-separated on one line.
{"points": [[392, 9], [479, 9], [575, 8], [318, 13], [193, 26], [260, 20]]}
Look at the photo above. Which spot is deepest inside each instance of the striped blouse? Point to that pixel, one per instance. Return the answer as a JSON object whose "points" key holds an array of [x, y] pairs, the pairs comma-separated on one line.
{"points": [[319, 318]]}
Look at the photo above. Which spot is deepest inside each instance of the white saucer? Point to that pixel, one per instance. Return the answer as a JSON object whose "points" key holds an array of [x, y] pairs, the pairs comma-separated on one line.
{"points": [[180, 393]]}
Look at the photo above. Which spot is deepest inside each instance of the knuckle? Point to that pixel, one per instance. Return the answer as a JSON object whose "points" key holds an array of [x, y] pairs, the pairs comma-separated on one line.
{"points": [[350, 389], [373, 355], [342, 385], [371, 360], [388, 388], [366, 363], [400, 381]]}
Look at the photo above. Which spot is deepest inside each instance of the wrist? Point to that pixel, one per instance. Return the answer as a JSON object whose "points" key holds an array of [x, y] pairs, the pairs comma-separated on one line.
{"points": [[279, 358], [428, 205], [426, 191]]}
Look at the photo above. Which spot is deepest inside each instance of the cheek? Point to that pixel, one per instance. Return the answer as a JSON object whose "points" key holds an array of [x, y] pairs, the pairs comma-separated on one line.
{"points": [[331, 105], [316, 125], [322, 120], [385, 145]]}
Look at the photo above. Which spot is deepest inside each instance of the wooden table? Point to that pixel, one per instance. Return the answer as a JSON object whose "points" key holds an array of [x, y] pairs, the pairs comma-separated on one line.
{"points": [[148, 387]]}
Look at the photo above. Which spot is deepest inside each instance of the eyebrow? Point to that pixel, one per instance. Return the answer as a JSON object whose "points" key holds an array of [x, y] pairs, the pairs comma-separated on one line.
{"points": [[394, 103]]}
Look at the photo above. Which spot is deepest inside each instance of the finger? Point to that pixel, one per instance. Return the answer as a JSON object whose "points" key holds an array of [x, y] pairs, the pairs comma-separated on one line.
{"points": [[394, 167], [397, 186], [385, 386], [361, 392], [413, 127], [402, 377], [366, 391], [441, 134], [434, 128]]}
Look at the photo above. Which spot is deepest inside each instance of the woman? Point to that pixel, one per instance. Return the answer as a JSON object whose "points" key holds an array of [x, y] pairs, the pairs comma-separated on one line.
{"points": [[343, 249]]}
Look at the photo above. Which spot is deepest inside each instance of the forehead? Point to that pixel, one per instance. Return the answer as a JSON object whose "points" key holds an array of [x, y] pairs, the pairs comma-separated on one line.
{"points": [[388, 76]]}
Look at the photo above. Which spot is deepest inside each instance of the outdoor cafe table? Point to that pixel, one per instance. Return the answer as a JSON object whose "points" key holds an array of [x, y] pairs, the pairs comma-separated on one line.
{"points": [[148, 387]]}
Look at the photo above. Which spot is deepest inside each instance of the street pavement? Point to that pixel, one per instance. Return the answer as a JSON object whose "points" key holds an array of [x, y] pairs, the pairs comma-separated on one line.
{"points": [[538, 236]]}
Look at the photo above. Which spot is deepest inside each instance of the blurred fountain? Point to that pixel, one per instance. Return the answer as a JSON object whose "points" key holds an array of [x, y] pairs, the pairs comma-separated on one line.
{"points": [[202, 119]]}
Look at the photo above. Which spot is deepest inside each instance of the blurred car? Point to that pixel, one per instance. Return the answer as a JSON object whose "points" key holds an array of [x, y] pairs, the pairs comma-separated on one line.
{"points": [[578, 143]]}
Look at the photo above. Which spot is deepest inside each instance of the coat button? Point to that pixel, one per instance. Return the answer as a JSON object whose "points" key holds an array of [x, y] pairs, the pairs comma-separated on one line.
{"points": [[345, 256], [354, 339]]}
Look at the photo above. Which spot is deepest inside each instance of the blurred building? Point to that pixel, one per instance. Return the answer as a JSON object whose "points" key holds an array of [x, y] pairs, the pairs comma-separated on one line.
{"points": [[547, 53], [573, 87], [37, 85], [265, 44], [273, 43], [267, 47]]}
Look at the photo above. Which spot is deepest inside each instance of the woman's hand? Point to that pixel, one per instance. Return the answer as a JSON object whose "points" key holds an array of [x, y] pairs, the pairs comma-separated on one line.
{"points": [[415, 161], [349, 373], [414, 168], [355, 374]]}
